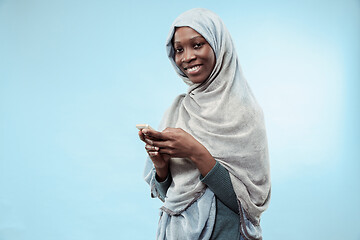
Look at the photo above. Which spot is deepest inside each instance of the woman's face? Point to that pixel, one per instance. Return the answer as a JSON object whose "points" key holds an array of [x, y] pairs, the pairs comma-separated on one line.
{"points": [[193, 54]]}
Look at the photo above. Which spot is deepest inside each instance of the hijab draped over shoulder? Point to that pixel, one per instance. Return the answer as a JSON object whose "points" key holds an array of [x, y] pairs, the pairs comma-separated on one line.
{"points": [[224, 116]]}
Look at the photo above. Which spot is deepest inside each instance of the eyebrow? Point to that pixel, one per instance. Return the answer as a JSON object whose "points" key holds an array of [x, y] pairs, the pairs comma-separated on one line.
{"points": [[197, 36]]}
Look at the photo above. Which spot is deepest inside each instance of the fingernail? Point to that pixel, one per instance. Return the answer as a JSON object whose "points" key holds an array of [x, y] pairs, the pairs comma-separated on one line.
{"points": [[145, 131], [150, 142], [153, 153], [156, 148]]}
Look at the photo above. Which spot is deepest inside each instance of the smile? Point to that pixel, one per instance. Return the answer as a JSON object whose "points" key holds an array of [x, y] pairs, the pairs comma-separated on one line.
{"points": [[193, 69]]}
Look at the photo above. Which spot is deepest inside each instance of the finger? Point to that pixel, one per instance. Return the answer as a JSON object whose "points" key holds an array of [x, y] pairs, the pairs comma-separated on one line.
{"points": [[150, 138], [141, 136], [153, 154], [167, 152], [148, 141], [151, 148], [162, 144], [152, 134]]}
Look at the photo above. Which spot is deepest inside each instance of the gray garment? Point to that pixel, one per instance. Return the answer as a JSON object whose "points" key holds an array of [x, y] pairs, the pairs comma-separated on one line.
{"points": [[223, 115], [195, 222], [227, 219]]}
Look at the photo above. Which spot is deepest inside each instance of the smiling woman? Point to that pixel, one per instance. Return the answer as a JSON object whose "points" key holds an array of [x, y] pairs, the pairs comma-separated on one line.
{"points": [[194, 55], [75, 76], [209, 161]]}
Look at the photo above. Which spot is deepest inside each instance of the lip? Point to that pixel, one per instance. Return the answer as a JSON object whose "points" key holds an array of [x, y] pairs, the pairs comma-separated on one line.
{"points": [[193, 69]]}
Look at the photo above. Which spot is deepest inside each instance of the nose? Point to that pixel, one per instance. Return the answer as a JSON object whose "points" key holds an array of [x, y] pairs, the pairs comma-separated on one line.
{"points": [[189, 55]]}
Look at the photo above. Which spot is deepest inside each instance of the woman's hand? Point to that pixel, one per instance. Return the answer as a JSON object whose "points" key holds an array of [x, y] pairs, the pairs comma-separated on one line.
{"points": [[160, 161], [172, 141], [175, 142]]}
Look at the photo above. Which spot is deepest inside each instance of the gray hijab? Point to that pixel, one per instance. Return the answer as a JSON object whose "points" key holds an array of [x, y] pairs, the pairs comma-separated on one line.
{"points": [[223, 115]]}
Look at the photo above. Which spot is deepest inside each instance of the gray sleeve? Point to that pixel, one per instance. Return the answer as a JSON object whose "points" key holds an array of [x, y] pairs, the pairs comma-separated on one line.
{"points": [[218, 180], [162, 187]]}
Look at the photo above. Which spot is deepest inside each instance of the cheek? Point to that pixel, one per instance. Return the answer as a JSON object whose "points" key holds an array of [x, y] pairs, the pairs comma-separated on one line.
{"points": [[212, 59], [177, 61], [209, 54]]}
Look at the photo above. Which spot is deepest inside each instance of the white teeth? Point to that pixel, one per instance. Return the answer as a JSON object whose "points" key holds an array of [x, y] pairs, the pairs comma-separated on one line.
{"points": [[193, 69]]}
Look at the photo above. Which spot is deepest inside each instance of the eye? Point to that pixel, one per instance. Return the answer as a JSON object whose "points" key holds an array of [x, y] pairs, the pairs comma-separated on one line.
{"points": [[198, 45], [178, 50]]}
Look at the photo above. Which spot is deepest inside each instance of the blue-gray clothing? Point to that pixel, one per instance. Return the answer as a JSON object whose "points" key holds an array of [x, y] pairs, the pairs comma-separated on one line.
{"points": [[227, 220], [223, 115]]}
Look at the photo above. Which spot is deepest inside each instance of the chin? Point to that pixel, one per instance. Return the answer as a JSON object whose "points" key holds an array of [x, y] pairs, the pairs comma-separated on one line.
{"points": [[196, 80]]}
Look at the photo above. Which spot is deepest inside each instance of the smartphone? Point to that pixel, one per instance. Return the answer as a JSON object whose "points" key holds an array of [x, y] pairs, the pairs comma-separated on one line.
{"points": [[143, 126]]}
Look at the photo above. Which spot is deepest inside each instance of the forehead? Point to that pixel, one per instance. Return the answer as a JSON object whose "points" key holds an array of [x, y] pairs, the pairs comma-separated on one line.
{"points": [[183, 34]]}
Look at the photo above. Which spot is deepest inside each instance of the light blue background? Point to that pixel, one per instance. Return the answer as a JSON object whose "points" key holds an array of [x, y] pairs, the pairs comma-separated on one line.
{"points": [[76, 76]]}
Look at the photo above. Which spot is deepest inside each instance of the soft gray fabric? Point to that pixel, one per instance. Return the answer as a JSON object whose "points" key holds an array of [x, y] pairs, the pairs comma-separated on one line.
{"points": [[223, 115], [163, 186], [197, 222]]}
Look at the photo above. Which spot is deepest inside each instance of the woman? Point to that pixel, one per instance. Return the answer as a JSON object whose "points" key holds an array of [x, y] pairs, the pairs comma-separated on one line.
{"points": [[209, 164]]}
